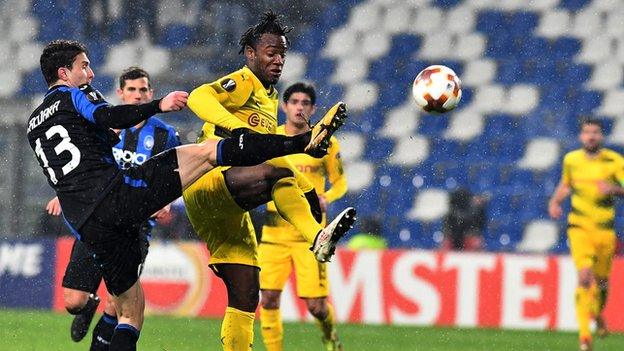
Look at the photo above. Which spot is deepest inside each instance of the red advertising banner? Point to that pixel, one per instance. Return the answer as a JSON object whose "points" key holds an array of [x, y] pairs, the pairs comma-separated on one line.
{"points": [[413, 287]]}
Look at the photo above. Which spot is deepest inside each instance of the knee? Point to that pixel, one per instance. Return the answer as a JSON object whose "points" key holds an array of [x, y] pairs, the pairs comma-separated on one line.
{"points": [[317, 307], [586, 277], [274, 174], [270, 299], [75, 300]]}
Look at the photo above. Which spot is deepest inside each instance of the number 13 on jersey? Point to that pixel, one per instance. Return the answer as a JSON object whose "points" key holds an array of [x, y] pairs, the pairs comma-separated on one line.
{"points": [[64, 145]]}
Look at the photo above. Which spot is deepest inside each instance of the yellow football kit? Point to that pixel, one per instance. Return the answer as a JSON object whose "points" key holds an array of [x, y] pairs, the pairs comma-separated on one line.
{"points": [[591, 233], [591, 221], [283, 247], [238, 100]]}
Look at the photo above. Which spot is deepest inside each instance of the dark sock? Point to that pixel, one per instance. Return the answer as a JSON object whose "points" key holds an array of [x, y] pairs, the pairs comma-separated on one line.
{"points": [[124, 338], [103, 333], [252, 149], [315, 205]]}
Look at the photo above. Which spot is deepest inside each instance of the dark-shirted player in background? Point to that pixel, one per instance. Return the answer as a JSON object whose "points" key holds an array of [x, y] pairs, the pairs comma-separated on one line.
{"points": [[104, 206], [82, 276]]}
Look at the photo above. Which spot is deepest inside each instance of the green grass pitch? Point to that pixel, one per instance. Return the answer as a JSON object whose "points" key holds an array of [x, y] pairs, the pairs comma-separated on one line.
{"points": [[44, 330]]}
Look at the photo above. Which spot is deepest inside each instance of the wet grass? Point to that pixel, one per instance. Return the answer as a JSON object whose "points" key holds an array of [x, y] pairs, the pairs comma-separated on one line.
{"points": [[44, 330]]}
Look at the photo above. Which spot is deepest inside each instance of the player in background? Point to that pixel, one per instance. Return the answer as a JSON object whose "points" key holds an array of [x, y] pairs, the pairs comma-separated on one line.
{"points": [[103, 205], [282, 247], [593, 176], [82, 275], [244, 103]]}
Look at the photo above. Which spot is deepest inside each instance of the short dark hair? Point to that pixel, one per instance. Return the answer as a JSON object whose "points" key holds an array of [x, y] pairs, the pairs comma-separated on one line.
{"points": [[59, 53], [591, 122], [301, 87], [132, 73], [269, 23]]}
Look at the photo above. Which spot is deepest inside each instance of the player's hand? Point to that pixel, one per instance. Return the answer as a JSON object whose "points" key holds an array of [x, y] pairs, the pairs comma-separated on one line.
{"points": [[554, 210], [162, 213], [323, 203], [174, 101], [54, 207]]}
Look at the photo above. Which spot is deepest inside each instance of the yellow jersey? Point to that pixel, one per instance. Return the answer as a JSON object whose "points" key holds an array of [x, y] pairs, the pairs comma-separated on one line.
{"points": [[317, 171], [591, 209], [237, 100]]}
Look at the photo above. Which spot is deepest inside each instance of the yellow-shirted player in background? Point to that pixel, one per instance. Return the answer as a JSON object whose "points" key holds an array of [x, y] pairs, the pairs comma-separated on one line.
{"points": [[242, 104], [283, 247], [593, 176]]}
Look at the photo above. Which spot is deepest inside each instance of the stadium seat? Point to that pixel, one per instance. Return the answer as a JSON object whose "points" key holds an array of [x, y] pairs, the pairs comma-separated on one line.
{"points": [[460, 20], [397, 19], [400, 121], [488, 98], [469, 46], [479, 72], [376, 44], [364, 16], [359, 175], [612, 104], [541, 154], [12, 80], [607, 75], [436, 45], [465, 125], [539, 237], [410, 151], [429, 205], [427, 21], [350, 70], [295, 67], [360, 95], [613, 25], [521, 99], [352, 146], [341, 43], [587, 23], [596, 49]]}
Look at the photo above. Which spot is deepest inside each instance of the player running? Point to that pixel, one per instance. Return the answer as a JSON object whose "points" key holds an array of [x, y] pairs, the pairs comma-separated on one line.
{"points": [[282, 247], [104, 206], [244, 103], [592, 175], [82, 275]]}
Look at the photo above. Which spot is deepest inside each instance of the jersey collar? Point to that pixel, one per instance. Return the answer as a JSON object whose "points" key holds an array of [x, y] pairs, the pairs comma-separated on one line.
{"points": [[257, 81], [54, 88]]}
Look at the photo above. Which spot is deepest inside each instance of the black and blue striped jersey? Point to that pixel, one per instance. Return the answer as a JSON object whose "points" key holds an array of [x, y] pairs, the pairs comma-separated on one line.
{"points": [[139, 144], [70, 133]]}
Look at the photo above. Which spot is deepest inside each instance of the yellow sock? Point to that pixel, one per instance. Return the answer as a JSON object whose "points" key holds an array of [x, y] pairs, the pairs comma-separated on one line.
{"points": [[327, 325], [237, 330], [292, 205], [584, 301], [272, 329]]}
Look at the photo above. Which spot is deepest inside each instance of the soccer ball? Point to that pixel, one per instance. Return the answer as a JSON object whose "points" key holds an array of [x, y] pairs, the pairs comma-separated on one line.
{"points": [[437, 89]]}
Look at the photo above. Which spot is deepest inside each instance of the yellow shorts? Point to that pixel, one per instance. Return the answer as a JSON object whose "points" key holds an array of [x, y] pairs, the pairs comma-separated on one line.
{"points": [[224, 226], [277, 260], [592, 249]]}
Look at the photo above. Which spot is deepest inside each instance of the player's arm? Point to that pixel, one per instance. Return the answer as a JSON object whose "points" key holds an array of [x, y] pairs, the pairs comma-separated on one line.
{"points": [[615, 187], [562, 191], [335, 174], [212, 102], [92, 106]]}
